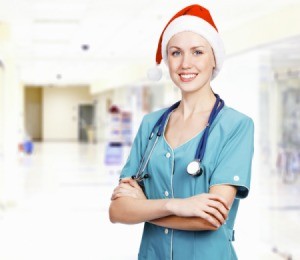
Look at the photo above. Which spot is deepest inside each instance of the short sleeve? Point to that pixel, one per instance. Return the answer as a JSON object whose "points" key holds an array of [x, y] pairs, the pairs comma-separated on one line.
{"points": [[131, 166], [234, 162]]}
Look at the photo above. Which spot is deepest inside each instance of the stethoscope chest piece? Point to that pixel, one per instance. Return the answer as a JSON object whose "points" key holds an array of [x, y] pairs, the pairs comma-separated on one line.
{"points": [[195, 168]]}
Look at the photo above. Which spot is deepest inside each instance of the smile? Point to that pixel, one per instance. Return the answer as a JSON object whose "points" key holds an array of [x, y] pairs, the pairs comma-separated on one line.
{"points": [[188, 77]]}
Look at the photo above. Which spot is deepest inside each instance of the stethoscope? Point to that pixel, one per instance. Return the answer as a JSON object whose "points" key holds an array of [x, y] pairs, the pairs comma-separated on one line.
{"points": [[195, 167]]}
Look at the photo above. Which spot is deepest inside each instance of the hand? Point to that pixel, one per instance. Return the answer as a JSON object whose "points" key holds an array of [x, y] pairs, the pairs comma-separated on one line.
{"points": [[128, 188], [211, 207]]}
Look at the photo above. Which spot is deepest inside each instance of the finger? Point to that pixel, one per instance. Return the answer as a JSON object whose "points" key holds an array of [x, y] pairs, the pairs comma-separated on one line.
{"points": [[116, 196], [124, 179], [113, 196], [134, 184], [119, 195], [118, 188], [220, 199], [216, 214], [132, 192], [219, 206], [130, 181], [125, 186], [135, 192], [125, 190], [210, 219], [121, 192], [123, 195]]}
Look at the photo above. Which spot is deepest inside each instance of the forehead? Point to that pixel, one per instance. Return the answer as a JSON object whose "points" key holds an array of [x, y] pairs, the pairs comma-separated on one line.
{"points": [[188, 39]]}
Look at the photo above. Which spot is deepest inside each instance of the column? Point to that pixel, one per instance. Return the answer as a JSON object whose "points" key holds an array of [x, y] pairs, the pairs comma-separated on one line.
{"points": [[11, 120]]}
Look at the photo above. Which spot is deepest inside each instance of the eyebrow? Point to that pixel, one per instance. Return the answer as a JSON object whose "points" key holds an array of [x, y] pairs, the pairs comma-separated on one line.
{"points": [[194, 47]]}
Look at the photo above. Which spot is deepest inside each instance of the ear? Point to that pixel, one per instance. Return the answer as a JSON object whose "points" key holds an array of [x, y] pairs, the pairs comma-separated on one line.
{"points": [[214, 58]]}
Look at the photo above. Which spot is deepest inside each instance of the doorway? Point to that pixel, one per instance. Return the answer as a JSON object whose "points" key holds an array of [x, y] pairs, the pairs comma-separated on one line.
{"points": [[86, 123], [33, 112]]}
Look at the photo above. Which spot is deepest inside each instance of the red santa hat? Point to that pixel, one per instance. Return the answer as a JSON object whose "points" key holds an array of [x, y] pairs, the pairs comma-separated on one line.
{"points": [[193, 18]]}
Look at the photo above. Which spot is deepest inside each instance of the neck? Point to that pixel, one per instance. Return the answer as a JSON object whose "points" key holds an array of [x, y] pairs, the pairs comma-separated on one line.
{"points": [[201, 102]]}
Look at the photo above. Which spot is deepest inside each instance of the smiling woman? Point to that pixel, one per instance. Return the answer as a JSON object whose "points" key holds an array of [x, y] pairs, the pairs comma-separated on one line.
{"points": [[190, 61], [186, 183]]}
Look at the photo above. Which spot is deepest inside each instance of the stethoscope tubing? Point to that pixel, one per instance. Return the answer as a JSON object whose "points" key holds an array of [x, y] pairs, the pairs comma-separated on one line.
{"points": [[219, 104]]}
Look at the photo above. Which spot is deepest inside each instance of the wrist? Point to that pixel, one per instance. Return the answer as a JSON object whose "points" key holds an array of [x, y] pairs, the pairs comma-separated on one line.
{"points": [[170, 206]]}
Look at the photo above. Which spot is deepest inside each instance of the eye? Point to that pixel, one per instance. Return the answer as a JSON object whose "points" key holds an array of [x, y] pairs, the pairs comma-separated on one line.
{"points": [[175, 53], [197, 52]]}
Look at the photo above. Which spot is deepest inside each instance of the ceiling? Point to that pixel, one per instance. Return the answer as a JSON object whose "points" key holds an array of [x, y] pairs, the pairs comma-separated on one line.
{"points": [[83, 41]]}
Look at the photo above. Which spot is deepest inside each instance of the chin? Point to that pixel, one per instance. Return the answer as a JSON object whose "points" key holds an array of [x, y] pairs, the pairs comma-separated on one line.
{"points": [[192, 86]]}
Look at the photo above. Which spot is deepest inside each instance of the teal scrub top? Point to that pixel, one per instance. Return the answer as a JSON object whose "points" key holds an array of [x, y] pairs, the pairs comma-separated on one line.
{"points": [[227, 160]]}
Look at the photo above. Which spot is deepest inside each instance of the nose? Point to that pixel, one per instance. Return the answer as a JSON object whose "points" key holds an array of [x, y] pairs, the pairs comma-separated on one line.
{"points": [[186, 61]]}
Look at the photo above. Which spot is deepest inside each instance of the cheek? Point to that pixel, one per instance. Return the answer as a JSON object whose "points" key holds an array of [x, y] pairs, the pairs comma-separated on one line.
{"points": [[208, 64], [172, 64]]}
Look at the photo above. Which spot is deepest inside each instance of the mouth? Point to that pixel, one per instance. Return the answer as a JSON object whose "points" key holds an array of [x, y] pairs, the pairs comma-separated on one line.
{"points": [[186, 77]]}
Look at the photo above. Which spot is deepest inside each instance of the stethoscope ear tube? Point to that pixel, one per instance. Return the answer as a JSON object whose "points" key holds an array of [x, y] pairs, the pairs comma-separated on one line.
{"points": [[219, 104], [198, 169], [162, 120], [139, 176]]}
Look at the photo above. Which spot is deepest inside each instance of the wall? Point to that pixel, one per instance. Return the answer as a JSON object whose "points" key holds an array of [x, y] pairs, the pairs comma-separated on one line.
{"points": [[2, 179], [1, 108], [263, 30], [33, 112], [238, 83], [11, 102], [60, 112]]}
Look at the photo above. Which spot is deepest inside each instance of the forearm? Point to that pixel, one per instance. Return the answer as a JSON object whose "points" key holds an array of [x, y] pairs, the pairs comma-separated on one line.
{"points": [[184, 223], [130, 206], [128, 210], [196, 223]]}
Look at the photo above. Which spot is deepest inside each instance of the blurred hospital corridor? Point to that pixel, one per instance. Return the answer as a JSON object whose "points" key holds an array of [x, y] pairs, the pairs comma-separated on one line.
{"points": [[64, 192]]}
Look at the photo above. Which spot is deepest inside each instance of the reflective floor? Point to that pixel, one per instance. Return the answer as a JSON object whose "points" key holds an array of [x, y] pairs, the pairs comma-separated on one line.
{"points": [[57, 208]]}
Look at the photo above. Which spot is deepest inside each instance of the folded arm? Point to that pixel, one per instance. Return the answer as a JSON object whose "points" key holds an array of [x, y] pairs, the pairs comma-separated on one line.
{"points": [[201, 212], [128, 210], [197, 223]]}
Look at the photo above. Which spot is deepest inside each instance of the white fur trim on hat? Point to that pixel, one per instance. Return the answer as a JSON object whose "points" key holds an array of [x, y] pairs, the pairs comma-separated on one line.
{"points": [[154, 73], [203, 28]]}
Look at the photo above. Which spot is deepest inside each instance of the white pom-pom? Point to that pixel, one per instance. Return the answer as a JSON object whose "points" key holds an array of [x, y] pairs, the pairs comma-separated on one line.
{"points": [[154, 73]]}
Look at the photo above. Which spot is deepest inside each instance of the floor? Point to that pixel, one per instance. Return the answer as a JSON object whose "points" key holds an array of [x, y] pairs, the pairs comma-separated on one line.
{"points": [[56, 207]]}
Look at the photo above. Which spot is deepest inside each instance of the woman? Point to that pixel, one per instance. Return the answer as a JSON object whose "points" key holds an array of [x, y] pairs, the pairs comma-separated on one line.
{"points": [[188, 217]]}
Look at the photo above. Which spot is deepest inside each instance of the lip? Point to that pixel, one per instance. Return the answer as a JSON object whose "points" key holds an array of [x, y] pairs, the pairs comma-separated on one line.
{"points": [[187, 77]]}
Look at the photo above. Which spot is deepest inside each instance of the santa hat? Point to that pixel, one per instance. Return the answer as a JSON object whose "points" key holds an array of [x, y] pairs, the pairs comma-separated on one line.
{"points": [[193, 18]]}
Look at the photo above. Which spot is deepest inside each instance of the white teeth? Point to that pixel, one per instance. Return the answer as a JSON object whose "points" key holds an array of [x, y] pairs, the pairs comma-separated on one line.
{"points": [[188, 76]]}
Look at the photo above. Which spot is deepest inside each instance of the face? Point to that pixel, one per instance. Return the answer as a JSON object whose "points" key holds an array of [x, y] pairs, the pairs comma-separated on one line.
{"points": [[191, 61]]}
